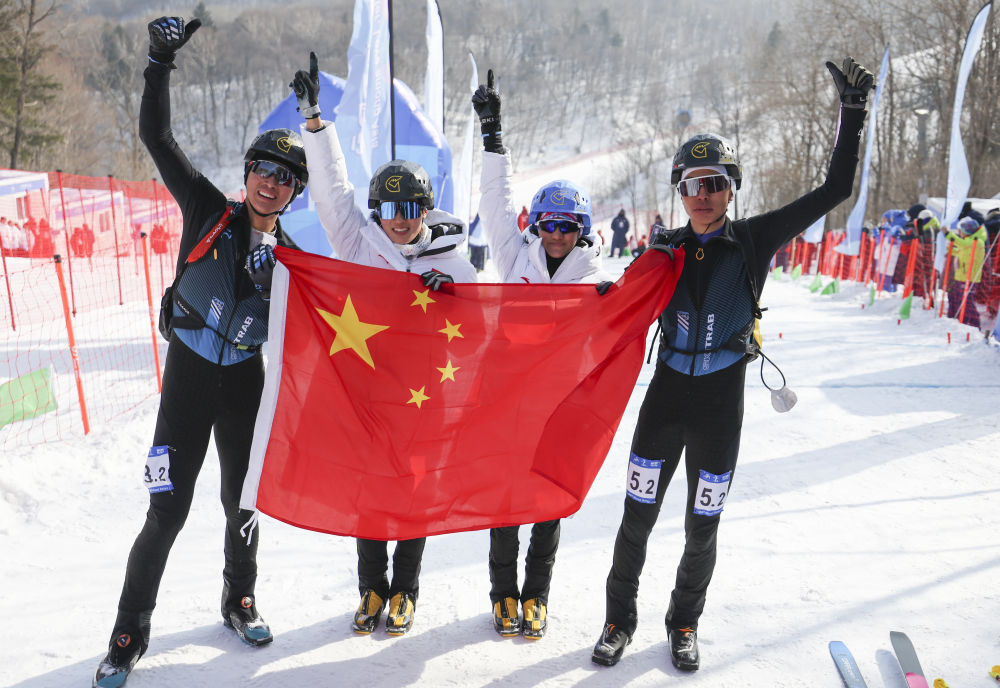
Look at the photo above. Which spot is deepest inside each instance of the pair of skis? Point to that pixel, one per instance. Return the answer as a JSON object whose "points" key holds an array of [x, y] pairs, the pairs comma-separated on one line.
{"points": [[906, 655]]}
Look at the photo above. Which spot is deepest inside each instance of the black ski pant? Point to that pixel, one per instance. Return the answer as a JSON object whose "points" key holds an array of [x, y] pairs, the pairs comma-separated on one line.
{"points": [[538, 563], [701, 416], [373, 566], [198, 398]]}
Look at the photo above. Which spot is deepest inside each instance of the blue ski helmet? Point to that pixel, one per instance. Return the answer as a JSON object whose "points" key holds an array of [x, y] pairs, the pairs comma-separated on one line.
{"points": [[561, 196]]}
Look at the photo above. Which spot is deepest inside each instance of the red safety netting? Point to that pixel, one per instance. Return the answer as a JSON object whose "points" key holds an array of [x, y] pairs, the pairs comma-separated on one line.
{"points": [[84, 262]]}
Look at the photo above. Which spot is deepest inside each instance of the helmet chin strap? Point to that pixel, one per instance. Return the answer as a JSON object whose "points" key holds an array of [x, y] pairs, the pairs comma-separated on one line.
{"points": [[257, 212]]}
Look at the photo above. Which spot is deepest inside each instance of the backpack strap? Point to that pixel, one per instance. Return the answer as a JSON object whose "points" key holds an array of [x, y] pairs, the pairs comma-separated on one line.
{"points": [[201, 248]]}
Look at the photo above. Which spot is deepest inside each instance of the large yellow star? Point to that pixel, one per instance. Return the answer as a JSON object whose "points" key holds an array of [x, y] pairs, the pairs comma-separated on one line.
{"points": [[451, 330], [448, 372], [351, 332], [422, 299], [417, 396]]}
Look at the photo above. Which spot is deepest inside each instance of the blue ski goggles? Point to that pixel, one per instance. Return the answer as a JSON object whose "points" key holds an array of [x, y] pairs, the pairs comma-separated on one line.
{"points": [[564, 226], [268, 168], [410, 210], [713, 184]]}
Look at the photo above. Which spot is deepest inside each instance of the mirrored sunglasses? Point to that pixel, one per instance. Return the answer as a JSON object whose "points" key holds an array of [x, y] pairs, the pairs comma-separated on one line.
{"points": [[268, 168], [564, 226], [410, 210], [713, 184]]}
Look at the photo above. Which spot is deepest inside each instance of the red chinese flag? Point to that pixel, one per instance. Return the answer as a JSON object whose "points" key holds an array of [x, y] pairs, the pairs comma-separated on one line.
{"points": [[392, 412]]}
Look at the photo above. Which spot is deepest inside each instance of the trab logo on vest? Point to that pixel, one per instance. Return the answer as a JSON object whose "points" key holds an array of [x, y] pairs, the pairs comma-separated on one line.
{"points": [[700, 150], [392, 183], [284, 144]]}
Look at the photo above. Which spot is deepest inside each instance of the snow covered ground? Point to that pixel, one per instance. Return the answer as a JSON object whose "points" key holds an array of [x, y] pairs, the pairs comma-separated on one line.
{"points": [[872, 506]]}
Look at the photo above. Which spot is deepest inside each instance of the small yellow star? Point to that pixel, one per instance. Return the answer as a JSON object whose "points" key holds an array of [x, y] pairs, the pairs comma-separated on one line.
{"points": [[417, 396], [451, 330], [352, 333], [422, 299], [448, 372]]}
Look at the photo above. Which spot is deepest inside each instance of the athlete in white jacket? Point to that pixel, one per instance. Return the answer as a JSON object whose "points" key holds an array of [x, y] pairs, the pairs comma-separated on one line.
{"points": [[403, 232], [555, 248]]}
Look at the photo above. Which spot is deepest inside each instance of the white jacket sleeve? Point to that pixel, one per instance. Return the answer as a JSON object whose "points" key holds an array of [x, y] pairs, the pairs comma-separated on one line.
{"points": [[333, 193], [497, 213]]}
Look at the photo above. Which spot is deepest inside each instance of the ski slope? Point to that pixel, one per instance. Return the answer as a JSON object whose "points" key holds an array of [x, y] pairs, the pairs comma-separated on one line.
{"points": [[872, 506]]}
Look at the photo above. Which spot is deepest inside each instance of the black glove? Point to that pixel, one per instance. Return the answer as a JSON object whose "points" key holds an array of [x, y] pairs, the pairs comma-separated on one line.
{"points": [[260, 266], [486, 101], [602, 287], [306, 87], [167, 35], [853, 83], [434, 279]]}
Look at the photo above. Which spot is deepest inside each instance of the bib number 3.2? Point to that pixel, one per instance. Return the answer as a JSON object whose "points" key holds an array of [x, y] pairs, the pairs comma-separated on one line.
{"points": [[157, 473], [643, 475], [712, 492]]}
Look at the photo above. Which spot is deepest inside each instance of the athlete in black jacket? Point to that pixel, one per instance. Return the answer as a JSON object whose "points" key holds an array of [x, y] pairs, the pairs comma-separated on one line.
{"points": [[694, 403], [214, 373]]}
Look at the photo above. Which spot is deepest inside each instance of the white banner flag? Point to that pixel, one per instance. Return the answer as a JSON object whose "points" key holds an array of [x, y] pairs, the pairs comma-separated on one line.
{"points": [[434, 78], [463, 171], [851, 245], [959, 180], [364, 117]]}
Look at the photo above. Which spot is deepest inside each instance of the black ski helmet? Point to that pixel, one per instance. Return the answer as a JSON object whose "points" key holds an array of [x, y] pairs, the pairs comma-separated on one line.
{"points": [[702, 150], [401, 180], [282, 146]]}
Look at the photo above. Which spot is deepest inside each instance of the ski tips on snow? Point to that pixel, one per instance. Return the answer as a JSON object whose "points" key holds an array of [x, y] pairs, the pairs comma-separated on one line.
{"points": [[848, 668], [906, 655]]}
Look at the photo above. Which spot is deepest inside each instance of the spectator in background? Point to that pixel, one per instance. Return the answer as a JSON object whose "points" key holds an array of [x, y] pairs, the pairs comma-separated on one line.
{"points": [[656, 228], [478, 250], [992, 223], [522, 219], [619, 229], [969, 249], [159, 240], [45, 244]]}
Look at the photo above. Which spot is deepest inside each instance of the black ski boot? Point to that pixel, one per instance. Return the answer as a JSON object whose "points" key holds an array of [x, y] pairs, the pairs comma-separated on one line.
{"points": [[402, 605], [684, 648], [242, 616], [369, 612], [124, 651], [610, 647]]}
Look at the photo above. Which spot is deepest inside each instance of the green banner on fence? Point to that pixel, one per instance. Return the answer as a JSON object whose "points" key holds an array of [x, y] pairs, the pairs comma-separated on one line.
{"points": [[26, 397], [904, 310]]}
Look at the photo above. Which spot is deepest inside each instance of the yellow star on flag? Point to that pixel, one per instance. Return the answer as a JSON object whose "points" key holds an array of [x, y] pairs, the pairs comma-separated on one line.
{"points": [[352, 333], [422, 299], [448, 372], [417, 396], [451, 330]]}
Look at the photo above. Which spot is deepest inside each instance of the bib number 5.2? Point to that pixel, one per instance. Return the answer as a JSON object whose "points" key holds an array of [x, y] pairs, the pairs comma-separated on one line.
{"points": [[712, 492], [643, 476]]}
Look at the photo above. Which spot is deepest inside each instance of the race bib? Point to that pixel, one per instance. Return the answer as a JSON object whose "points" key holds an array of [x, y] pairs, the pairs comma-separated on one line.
{"points": [[643, 475], [157, 476], [712, 492]]}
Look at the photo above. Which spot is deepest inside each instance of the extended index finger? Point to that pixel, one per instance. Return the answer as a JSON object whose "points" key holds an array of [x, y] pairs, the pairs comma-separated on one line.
{"points": [[313, 66], [489, 79]]}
